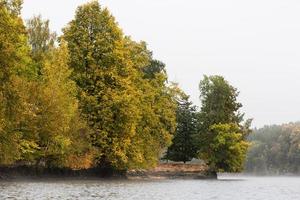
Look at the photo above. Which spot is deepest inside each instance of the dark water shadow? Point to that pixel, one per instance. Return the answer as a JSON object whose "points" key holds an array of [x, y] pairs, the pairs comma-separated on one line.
{"points": [[231, 180]]}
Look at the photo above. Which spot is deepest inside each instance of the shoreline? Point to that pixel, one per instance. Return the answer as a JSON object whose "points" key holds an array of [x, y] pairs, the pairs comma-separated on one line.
{"points": [[172, 171], [161, 172]]}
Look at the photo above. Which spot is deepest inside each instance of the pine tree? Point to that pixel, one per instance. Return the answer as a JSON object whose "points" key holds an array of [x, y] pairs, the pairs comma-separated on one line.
{"points": [[183, 148]]}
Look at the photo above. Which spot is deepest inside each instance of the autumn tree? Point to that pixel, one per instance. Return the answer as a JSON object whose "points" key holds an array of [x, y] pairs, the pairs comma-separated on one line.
{"points": [[157, 104], [97, 99], [124, 107], [14, 69], [31, 90], [63, 135], [107, 96]]}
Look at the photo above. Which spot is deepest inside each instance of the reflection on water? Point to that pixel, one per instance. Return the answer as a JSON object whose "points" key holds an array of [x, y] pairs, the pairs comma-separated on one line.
{"points": [[271, 188]]}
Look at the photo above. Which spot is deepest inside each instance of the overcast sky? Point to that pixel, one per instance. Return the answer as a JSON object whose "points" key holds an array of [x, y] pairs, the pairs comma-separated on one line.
{"points": [[254, 44]]}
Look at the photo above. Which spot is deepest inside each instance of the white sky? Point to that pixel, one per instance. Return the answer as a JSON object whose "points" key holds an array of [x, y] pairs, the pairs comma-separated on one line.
{"points": [[254, 44]]}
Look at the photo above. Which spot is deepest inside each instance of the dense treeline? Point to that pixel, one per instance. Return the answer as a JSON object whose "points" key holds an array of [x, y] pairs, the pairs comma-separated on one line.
{"points": [[275, 150], [93, 97], [90, 97]]}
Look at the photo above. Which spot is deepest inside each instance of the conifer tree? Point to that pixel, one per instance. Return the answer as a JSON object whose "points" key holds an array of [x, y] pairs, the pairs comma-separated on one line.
{"points": [[183, 148]]}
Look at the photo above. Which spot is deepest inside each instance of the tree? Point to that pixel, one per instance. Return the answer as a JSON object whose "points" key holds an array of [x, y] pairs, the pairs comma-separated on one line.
{"points": [[220, 126], [41, 40], [127, 104], [157, 104], [57, 107], [13, 6], [14, 68], [218, 102], [97, 99], [183, 147], [106, 94], [226, 148], [274, 149], [109, 96], [49, 134]]}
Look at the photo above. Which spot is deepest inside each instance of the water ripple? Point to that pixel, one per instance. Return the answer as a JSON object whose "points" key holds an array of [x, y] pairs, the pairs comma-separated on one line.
{"points": [[248, 189]]}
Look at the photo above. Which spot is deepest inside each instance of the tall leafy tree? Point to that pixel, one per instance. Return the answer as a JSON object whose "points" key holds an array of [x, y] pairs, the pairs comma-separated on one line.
{"points": [[220, 126], [157, 104], [123, 93], [218, 102], [14, 68], [108, 97]]}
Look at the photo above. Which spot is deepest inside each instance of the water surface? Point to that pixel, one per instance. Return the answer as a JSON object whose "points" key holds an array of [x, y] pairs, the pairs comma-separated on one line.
{"points": [[242, 188]]}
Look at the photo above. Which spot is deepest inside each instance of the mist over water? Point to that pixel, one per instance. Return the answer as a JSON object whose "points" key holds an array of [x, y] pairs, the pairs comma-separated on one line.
{"points": [[227, 188]]}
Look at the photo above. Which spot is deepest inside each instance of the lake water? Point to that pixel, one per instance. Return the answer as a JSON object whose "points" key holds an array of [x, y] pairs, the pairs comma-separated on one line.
{"points": [[271, 188]]}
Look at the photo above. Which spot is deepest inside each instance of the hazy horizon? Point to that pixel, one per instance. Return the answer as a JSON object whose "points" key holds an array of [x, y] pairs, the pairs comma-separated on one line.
{"points": [[255, 45]]}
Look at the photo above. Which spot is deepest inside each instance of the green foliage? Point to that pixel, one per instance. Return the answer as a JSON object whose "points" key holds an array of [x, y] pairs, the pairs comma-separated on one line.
{"points": [[218, 102], [226, 149], [41, 40], [183, 146], [275, 149], [220, 126]]}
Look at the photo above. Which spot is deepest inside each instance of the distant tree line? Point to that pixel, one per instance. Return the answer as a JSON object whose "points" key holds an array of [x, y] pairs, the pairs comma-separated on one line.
{"points": [[274, 150], [94, 97]]}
